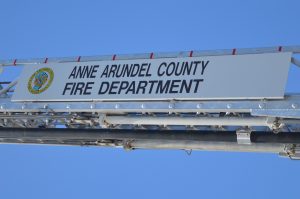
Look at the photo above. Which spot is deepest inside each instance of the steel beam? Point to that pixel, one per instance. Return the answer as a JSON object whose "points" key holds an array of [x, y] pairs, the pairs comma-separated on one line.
{"points": [[129, 134], [283, 143]]}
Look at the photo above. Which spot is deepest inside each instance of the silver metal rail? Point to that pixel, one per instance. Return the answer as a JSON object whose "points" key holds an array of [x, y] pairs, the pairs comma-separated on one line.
{"points": [[289, 107], [201, 121]]}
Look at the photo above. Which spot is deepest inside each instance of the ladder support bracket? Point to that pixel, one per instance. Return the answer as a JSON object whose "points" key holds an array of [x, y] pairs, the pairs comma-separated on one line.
{"points": [[243, 136]]}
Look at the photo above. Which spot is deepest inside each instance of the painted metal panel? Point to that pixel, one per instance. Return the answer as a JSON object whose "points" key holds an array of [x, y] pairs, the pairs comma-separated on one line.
{"points": [[253, 76]]}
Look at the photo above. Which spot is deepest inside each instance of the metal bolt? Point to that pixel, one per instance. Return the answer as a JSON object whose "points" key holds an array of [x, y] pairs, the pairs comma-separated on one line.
{"points": [[261, 106]]}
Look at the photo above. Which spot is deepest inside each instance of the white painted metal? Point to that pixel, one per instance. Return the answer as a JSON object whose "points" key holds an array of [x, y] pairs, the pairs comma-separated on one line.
{"points": [[194, 121], [210, 146], [296, 61], [9, 86], [243, 136], [255, 76]]}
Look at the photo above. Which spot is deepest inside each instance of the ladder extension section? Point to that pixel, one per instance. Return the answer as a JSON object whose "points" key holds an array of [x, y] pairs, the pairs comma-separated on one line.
{"points": [[246, 124]]}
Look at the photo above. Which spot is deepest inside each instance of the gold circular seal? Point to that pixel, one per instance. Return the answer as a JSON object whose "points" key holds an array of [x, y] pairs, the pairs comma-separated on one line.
{"points": [[40, 80]]}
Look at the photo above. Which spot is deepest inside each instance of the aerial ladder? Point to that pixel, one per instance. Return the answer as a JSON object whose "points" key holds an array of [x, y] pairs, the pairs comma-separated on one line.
{"points": [[228, 100]]}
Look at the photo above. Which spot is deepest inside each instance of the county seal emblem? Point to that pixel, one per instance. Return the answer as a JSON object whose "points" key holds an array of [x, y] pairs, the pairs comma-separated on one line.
{"points": [[40, 80]]}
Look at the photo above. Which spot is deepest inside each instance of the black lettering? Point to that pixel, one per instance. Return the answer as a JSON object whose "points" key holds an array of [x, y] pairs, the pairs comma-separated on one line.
{"points": [[124, 85], [127, 70], [172, 66], [196, 66], [86, 72], [163, 88], [87, 88], [158, 71], [148, 68], [112, 70], [105, 72], [186, 86], [197, 84], [174, 86], [134, 73], [142, 68], [79, 72], [177, 72], [79, 87], [204, 66], [113, 86], [73, 88], [131, 88], [103, 89], [151, 85], [94, 70], [187, 68], [67, 87], [120, 70], [73, 73], [141, 86]]}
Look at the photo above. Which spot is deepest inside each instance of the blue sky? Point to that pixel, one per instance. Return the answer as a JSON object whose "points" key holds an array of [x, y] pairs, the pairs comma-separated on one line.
{"points": [[72, 28]]}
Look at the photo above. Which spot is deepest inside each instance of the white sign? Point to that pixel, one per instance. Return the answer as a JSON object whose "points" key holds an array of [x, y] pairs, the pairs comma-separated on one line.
{"points": [[253, 76]]}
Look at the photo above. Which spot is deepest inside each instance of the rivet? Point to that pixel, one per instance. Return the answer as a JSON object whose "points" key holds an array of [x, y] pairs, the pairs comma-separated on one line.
{"points": [[117, 106], [228, 106], [170, 105], [199, 105], [294, 106], [68, 106], [261, 106]]}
